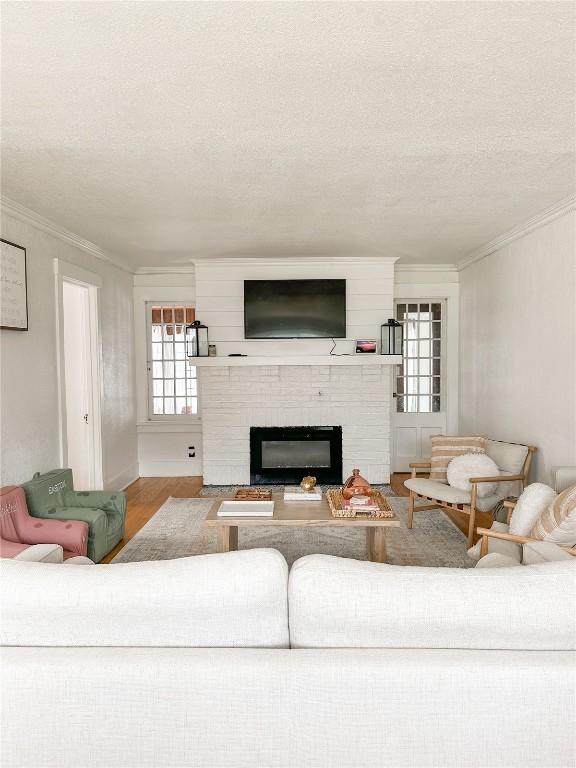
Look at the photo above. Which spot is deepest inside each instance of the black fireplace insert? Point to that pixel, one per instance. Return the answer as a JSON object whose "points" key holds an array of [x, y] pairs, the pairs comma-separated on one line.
{"points": [[284, 455]]}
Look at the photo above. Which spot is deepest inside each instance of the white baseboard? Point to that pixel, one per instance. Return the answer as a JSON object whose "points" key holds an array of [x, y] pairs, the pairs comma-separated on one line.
{"points": [[122, 480], [170, 468]]}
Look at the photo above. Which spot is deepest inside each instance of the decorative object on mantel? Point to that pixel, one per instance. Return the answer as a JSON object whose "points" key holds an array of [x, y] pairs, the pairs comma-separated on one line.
{"points": [[391, 337], [253, 494], [212, 352], [308, 483], [196, 340], [366, 346], [14, 290], [356, 485], [340, 507]]}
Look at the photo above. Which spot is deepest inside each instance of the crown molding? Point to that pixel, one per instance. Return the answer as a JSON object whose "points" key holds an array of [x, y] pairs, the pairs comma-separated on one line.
{"points": [[186, 269], [539, 220], [22, 213], [283, 261], [426, 267]]}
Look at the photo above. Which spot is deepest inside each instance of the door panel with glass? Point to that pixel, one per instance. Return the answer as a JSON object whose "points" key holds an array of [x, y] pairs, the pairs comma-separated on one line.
{"points": [[420, 407]]}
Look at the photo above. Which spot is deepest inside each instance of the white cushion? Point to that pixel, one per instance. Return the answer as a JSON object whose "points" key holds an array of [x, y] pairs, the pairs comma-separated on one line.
{"points": [[543, 552], [532, 502], [79, 560], [509, 457], [434, 489], [335, 602], [238, 599], [496, 560], [462, 468], [41, 553], [498, 546]]}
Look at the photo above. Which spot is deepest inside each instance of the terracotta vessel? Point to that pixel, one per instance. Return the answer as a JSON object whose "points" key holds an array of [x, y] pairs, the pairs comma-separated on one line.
{"points": [[356, 485]]}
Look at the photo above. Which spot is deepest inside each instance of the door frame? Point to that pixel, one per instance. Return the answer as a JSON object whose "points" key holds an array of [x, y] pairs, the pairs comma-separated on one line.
{"points": [[70, 273], [410, 286]]}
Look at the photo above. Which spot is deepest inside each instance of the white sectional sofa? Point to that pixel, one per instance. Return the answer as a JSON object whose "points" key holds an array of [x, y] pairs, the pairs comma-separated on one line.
{"points": [[188, 663]]}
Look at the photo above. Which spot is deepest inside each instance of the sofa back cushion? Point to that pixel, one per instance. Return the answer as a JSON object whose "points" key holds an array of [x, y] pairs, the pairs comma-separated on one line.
{"points": [[510, 457], [45, 492], [234, 600], [339, 603], [445, 448]]}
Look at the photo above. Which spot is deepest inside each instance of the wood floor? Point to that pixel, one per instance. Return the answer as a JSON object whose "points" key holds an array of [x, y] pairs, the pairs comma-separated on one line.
{"points": [[147, 494]]}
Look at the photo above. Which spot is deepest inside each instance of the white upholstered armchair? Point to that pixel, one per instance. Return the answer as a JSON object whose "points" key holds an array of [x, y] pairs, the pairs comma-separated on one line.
{"points": [[513, 461]]}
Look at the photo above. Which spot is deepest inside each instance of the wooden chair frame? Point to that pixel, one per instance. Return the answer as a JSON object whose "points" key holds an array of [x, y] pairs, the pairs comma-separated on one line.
{"points": [[467, 509], [487, 534]]}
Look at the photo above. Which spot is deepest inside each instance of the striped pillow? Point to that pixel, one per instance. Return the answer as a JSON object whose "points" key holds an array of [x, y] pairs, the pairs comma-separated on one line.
{"points": [[557, 523], [445, 448]]}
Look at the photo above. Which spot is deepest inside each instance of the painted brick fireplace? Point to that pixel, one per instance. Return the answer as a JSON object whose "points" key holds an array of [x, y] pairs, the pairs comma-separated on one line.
{"points": [[355, 397]]}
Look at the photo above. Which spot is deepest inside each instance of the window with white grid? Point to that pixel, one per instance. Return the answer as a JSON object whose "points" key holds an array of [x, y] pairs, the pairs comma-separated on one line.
{"points": [[172, 379], [418, 385]]}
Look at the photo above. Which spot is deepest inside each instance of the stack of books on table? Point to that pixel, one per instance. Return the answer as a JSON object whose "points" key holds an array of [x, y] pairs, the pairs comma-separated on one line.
{"points": [[362, 504], [295, 493]]}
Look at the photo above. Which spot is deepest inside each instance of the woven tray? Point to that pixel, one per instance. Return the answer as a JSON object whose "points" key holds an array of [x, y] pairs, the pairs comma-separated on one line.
{"points": [[335, 502], [253, 494]]}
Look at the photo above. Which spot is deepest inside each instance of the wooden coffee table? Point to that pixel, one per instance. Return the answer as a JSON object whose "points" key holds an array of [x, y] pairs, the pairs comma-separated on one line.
{"points": [[301, 514]]}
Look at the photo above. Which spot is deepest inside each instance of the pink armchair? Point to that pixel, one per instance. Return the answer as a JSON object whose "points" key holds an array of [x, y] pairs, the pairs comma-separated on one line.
{"points": [[19, 531]]}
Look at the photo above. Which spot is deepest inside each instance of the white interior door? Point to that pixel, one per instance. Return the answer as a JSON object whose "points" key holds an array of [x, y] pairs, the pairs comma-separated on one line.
{"points": [[419, 409], [77, 374]]}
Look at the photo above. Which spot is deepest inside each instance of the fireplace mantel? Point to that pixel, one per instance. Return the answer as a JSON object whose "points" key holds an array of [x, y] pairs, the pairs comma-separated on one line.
{"points": [[232, 362]]}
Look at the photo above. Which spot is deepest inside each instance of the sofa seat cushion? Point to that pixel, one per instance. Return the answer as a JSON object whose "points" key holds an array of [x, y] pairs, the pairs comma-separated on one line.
{"points": [[500, 546], [238, 599], [335, 602], [434, 489]]}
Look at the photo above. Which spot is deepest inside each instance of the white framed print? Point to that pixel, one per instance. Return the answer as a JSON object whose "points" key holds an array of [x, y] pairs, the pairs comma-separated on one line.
{"points": [[13, 287]]}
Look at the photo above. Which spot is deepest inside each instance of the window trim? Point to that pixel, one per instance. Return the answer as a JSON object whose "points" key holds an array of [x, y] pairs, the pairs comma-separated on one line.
{"points": [[443, 354], [164, 418]]}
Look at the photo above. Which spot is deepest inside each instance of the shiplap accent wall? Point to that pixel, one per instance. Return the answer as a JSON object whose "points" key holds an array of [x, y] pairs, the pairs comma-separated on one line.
{"points": [[234, 399], [220, 300]]}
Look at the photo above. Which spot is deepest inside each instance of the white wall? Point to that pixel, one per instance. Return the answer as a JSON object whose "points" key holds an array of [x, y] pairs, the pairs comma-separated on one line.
{"points": [[29, 420], [518, 344], [163, 445]]}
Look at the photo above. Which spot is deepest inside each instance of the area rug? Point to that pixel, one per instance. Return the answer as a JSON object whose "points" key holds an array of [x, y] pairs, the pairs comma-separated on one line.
{"points": [[176, 531]]}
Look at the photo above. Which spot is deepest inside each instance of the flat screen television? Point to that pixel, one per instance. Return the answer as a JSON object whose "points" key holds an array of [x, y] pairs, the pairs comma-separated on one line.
{"points": [[294, 309]]}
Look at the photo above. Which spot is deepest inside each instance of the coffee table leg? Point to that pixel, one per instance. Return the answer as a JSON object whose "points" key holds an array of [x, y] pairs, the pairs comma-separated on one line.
{"points": [[376, 542], [227, 538]]}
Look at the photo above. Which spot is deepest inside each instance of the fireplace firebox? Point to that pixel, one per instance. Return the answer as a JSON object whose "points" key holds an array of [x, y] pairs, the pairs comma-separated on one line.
{"points": [[286, 454]]}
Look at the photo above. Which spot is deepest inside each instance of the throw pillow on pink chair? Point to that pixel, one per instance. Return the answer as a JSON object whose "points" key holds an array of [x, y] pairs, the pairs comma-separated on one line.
{"points": [[19, 531]]}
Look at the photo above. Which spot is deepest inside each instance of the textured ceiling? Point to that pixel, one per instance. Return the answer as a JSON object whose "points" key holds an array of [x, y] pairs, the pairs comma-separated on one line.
{"points": [[170, 131]]}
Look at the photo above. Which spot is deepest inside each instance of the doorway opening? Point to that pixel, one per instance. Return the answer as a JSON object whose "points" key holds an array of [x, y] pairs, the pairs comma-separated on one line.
{"points": [[79, 368]]}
